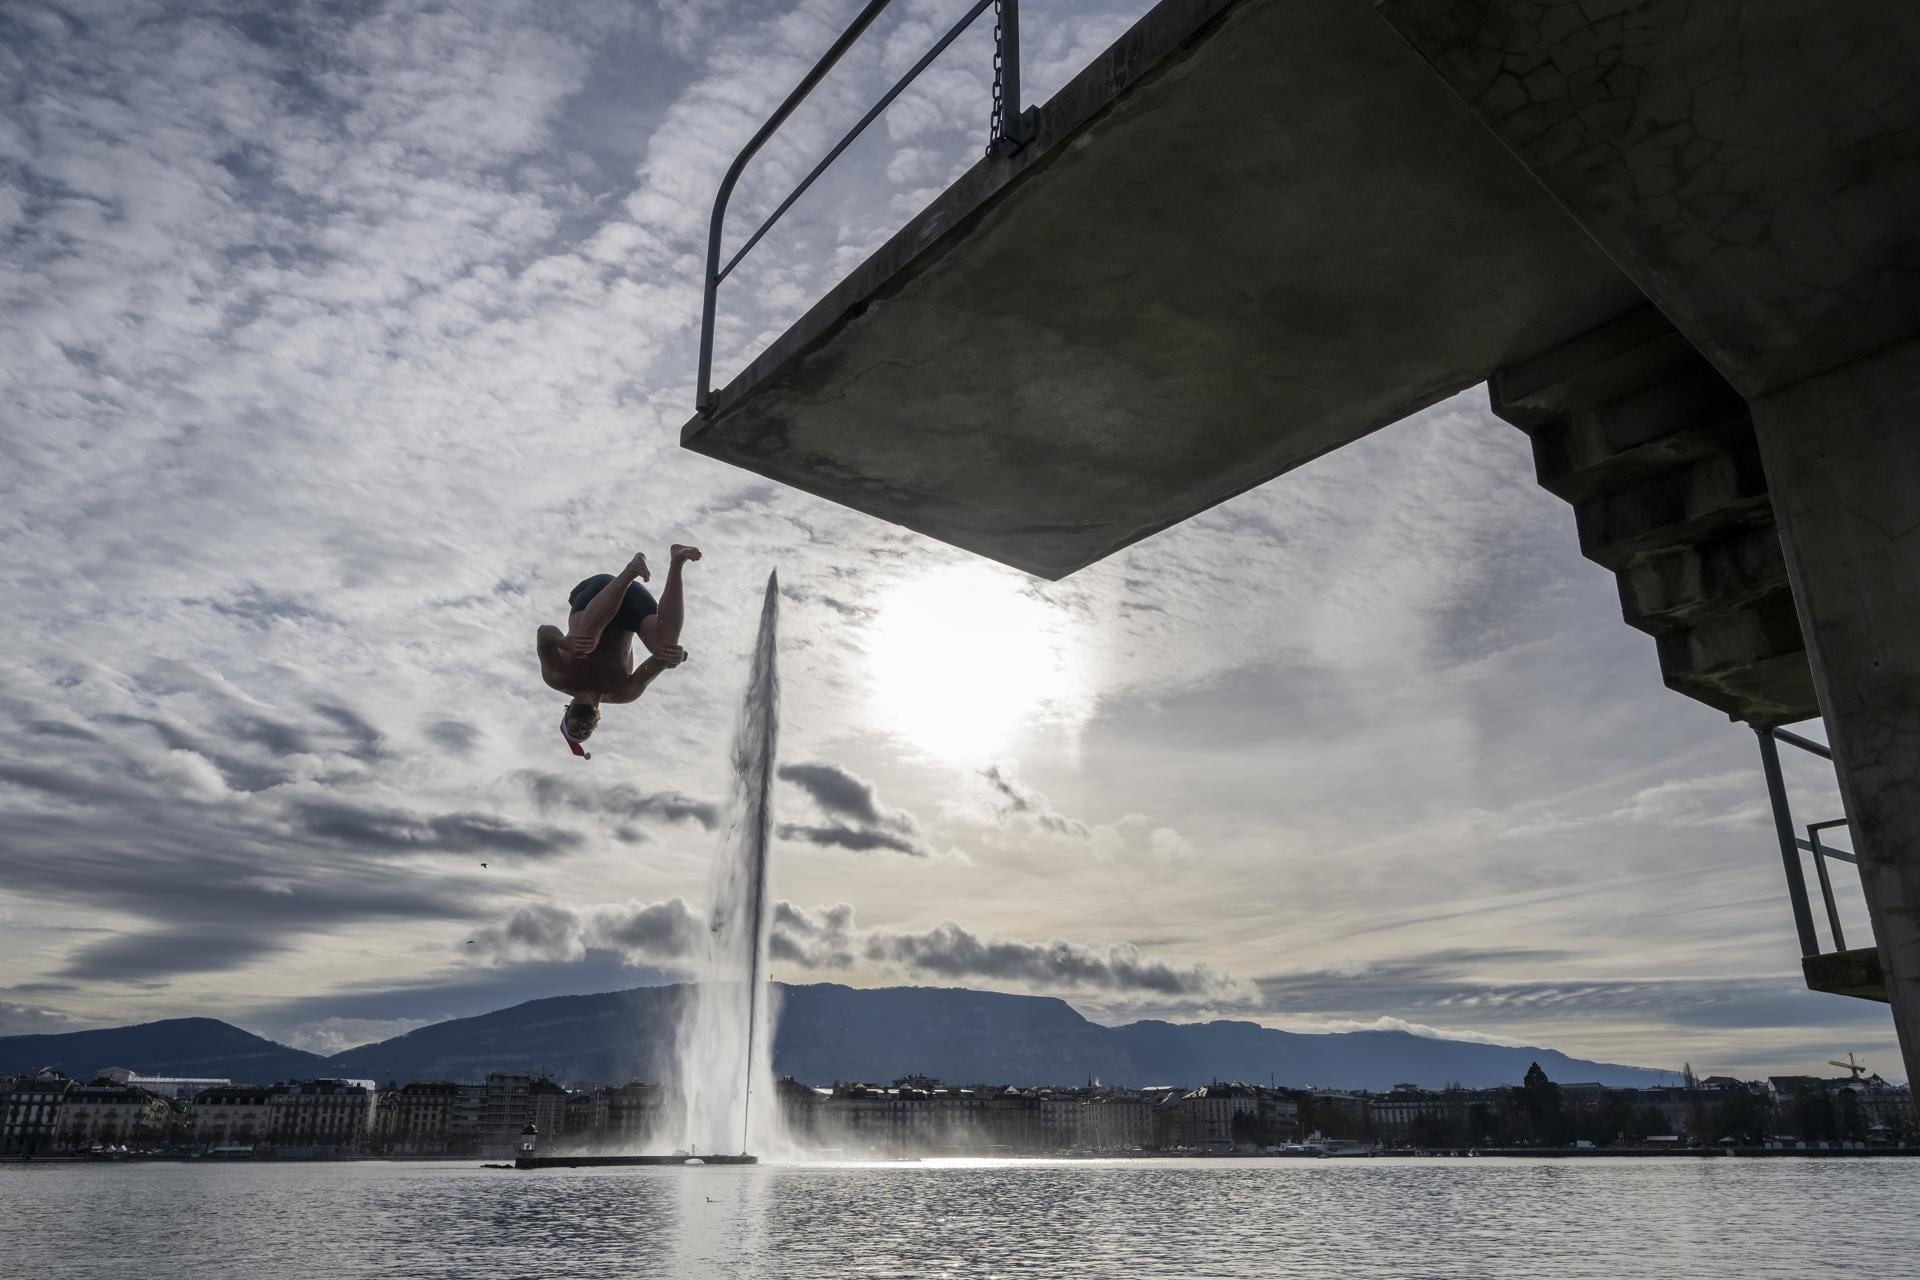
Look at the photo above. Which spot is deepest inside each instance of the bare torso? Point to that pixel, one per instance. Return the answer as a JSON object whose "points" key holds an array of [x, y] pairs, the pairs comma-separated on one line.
{"points": [[602, 674]]}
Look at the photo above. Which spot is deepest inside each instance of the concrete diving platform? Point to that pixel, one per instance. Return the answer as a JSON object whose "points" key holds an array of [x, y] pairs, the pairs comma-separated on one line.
{"points": [[617, 1162], [1855, 972], [1250, 232]]}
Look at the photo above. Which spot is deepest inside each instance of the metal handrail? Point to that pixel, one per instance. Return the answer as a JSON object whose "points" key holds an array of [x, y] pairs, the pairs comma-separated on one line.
{"points": [[1820, 852], [1010, 130], [1789, 851], [1805, 744], [1792, 845]]}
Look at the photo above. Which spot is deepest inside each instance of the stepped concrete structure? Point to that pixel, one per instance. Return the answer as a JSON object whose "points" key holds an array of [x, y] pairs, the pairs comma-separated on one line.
{"points": [[1675, 237], [1657, 454]]}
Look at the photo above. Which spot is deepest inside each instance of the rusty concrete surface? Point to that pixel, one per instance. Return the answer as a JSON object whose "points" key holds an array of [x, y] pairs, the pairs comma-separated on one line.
{"points": [[1754, 165]]}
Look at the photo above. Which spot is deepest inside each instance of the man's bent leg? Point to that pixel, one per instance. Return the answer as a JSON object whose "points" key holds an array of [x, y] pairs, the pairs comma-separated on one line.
{"points": [[662, 629]]}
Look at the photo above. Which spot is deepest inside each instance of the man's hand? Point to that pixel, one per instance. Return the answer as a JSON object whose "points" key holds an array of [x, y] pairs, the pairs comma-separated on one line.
{"points": [[579, 646], [638, 567], [671, 657]]}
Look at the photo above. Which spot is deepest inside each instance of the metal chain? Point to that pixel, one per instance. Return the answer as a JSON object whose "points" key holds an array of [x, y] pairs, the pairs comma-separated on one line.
{"points": [[994, 122]]}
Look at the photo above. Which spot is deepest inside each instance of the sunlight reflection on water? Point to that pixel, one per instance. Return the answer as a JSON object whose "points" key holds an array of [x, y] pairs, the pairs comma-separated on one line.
{"points": [[976, 1218]]}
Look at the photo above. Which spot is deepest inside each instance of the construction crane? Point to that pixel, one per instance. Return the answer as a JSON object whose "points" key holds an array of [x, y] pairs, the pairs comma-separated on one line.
{"points": [[1857, 1068]]}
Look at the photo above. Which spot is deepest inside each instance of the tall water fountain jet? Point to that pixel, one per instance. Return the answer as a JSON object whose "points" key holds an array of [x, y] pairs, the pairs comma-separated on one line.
{"points": [[725, 1042]]}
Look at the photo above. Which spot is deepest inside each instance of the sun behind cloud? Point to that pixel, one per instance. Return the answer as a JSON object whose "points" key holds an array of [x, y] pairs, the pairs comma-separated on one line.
{"points": [[964, 657]]}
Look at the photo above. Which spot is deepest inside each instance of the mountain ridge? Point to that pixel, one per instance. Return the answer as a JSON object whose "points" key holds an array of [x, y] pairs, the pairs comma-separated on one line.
{"points": [[828, 1032], [167, 1046]]}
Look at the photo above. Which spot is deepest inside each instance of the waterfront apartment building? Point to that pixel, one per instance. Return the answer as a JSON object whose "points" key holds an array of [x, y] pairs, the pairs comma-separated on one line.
{"points": [[1338, 1113], [958, 1119], [1885, 1108], [416, 1119], [1169, 1118], [548, 1107], [232, 1116], [1116, 1122], [1781, 1108], [910, 1119], [859, 1118], [917, 1115], [1408, 1112], [469, 1115], [1279, 1116], [106, 1115], [800, 1107], [1013, 1120], [626, 1117], [1864, 1105], [914, 1114], [30, 1111], [506, 1108], [1060, 1124], [1207, 1114], [320, 1113], [578, 1121]]}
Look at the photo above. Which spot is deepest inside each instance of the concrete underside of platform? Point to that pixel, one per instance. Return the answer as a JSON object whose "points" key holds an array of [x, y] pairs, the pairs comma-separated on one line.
{"points": [[1250, 233], [1847, 973], [1753, 165]]}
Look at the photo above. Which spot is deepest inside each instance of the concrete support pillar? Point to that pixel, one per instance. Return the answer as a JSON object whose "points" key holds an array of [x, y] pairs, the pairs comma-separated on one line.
{"points": [[1842, 456]]}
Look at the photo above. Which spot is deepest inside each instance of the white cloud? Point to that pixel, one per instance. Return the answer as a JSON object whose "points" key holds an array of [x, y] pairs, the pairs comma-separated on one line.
{"points": [[951, 951], [1725, 799], [1387, 1023], [1014, 816], [329, 1036], [192, 773], [21, 1019], [828, 938], [641, 932]]}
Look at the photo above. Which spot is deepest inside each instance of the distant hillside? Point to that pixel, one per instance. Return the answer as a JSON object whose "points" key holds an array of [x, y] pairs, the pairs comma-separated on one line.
{"points": [[829, 1032], [611, 1037], [1350, 1059], [174, 1047], [826, 1033]]}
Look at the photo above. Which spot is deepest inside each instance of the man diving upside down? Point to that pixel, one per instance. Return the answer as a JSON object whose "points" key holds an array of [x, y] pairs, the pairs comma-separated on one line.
{"points": [[592, 660]]}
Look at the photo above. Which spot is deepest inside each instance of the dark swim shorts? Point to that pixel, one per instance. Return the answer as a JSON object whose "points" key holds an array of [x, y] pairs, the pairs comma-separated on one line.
{"points": [[638, 604]]}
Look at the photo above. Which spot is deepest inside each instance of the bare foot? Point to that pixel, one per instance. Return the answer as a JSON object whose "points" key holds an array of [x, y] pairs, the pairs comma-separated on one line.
{"points": [[680, 552]]}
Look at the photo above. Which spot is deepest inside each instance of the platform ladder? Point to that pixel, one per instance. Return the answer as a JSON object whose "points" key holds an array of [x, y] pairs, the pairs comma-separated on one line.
{"points": [[1841, 970]]}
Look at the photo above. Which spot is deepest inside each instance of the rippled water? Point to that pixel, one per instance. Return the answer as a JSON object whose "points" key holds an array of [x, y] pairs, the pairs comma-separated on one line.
{"points": [[1362, 1218]]}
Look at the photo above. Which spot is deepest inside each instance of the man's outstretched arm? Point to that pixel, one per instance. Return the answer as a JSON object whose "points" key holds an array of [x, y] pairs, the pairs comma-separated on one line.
{"points": [[583, 633]]}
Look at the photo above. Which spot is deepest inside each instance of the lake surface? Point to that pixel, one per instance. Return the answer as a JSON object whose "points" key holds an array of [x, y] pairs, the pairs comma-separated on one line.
{"points": [[1554, 1219]]}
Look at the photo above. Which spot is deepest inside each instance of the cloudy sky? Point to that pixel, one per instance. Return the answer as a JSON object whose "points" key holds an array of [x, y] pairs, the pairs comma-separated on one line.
{"points": [[339, 340]]}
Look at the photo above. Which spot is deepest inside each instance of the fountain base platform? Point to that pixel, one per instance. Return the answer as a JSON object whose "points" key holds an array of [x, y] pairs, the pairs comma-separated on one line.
{"points": [[612, 1162]]}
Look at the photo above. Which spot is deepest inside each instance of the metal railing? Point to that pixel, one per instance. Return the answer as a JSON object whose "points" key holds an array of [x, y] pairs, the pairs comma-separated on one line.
{"points": [[1009, 128], [1793, 845]]}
